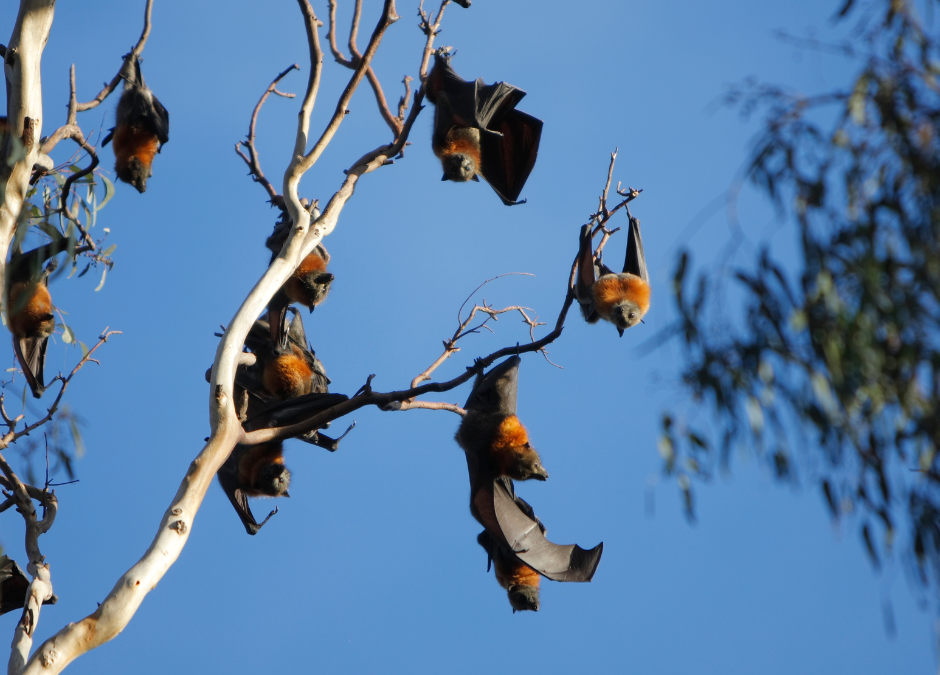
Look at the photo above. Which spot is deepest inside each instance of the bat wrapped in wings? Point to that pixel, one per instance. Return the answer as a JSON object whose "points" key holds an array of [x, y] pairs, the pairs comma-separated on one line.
{"points": [[29, 308], [622, 299], [478, 131], [497, 449], [283, 387], [142, 128], [308, 285]]}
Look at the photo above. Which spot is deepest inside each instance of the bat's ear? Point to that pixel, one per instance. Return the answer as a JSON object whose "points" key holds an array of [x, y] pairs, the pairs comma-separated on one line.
{"points": [[620, 330], [475, 179], [444, 177]]}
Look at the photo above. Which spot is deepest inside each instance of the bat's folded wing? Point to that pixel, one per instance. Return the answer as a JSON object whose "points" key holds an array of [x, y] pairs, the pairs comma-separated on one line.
{"points": [[635, 262], [31, 353], [493, 102], [527, 540], [509, 153]]}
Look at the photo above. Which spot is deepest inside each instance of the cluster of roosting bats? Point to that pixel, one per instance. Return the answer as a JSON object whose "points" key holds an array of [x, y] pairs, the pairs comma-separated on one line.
{"points": [[477, 131]]}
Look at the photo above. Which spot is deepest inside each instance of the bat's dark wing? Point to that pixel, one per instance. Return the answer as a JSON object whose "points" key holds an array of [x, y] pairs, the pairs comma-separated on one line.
{"points": [[31, 353], [586, 276], [635, 262], [228, 479], [14, 584], [275, 242], [509, 155], [294, 410], [495, 391], [525, 536]]}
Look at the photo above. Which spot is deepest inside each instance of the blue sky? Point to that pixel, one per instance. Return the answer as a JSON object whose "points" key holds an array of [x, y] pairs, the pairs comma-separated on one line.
{"points": [[373, 564]]}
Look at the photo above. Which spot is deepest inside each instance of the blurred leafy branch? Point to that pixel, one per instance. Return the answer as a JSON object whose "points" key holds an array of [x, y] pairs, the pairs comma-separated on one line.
{"points": [[62, 224], [833, 367]]}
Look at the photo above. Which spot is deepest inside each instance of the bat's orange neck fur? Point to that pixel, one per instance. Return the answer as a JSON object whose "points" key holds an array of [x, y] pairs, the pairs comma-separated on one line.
{"points": [[289, 375], [516, 574], [32, 320], [612, 289], [131, 142], [462, 142], [511, 439], [312, 263]]}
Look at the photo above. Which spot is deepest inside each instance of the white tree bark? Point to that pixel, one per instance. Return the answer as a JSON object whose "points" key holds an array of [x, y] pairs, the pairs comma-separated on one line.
{"points": [[24, 102]]}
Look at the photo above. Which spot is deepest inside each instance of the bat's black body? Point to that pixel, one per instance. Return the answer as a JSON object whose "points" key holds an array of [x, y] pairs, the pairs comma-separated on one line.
{"points": [[478, 131], [29, 307], [509, 520], [622, 299], [142, 128]]}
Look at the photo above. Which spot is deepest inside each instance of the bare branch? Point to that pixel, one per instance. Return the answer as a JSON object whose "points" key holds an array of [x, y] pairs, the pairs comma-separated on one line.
{"points": [[402, 400], [388, 18], [135, 52], [40, 588], [254, 165], [430, 30]]}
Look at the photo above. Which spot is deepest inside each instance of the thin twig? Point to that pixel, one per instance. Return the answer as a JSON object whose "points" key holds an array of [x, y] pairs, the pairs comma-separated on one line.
{"points": [[254, 165], [135, 52]]}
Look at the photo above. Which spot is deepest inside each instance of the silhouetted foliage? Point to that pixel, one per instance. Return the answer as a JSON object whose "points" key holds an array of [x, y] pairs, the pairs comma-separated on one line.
{"points": [[832, 371]]}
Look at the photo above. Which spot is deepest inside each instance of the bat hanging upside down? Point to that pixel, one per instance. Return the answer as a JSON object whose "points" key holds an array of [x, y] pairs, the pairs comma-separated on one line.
{"points": [[308, 285], [622, 299], [254, 471], [497, 449], [478, 131], [29, 308], [143, 127]]}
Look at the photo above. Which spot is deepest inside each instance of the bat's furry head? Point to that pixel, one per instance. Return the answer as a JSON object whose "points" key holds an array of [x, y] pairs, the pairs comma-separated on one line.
{"points": [[309, 290], [273, 480], [459, 167], [135, 173], [513, 454], [523, 598], [622, 299]]}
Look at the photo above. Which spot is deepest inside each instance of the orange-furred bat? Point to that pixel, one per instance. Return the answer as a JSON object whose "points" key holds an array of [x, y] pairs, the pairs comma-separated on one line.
{"points": [[622, 299], [29, 308], [478, 131], [143, 127], [520, 581], [14, 585], [491, 432], [254, 471], [493, 502], [282, 372], [308, 285]]}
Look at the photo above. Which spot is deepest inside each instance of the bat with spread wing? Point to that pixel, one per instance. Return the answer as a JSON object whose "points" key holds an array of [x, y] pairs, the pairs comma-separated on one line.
{"points": [[308, 285], [622, 299], [30, 312], [143, 127], [496, 452], [478, 131]]}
